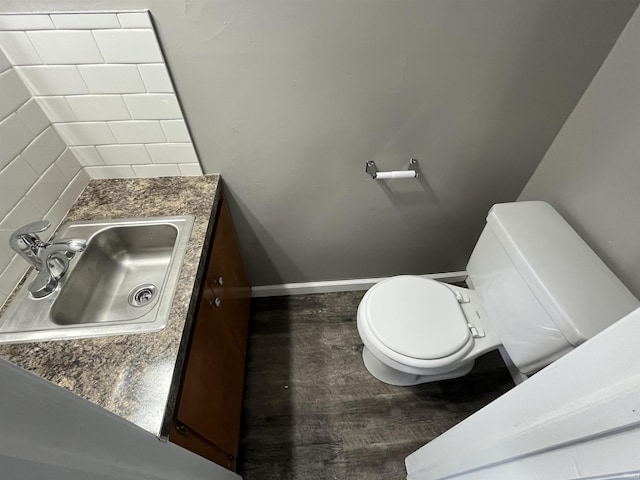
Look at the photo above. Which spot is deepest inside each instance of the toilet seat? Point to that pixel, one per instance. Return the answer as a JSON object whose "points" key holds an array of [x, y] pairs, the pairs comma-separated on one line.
{"points": [[414, 321]]}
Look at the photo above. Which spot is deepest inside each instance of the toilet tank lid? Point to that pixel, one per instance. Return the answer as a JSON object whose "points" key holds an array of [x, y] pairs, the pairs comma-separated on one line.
{"points": [[578, 291]]}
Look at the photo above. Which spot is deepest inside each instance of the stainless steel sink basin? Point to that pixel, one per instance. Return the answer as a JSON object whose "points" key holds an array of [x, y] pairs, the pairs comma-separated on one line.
{"points": [[122, 283]]}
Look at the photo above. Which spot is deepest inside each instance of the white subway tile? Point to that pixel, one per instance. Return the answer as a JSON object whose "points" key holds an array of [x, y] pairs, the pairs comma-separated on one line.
{"points": [[175, 131], [33, 117], [68, 164], [111, 171], [135, 20], [25, 22], [123, 154], [6, 254], [12, 275], [152, 171], [44, 150], [98, 107], [18, 48], [87, 156], [190, 169], [23, 213], [85, 21], [153, 106], [13, 93], [15, 180], [48, 188], [14, 136], [156, 78], [85, 133], [140, 131], [172, 153], [57, 109], [65, 47], [128, 46], [66, 199], [4, 62], [54, 80], [112, 78]]}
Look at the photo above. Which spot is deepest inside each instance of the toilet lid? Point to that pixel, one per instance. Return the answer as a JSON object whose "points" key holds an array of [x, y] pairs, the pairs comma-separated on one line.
{"points": [[416, 317]]}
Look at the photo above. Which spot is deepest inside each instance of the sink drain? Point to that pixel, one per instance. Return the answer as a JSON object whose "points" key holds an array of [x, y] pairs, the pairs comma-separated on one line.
{"points": [[142, 295]]}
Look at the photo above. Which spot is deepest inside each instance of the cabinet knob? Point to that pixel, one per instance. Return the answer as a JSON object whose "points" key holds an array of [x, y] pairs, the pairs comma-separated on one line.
{"points": [[220, 280], [216, 302], [182, 429]]}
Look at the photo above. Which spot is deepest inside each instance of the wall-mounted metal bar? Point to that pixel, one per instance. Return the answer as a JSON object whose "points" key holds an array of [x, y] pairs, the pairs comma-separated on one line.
{"points": [[412, 172]]}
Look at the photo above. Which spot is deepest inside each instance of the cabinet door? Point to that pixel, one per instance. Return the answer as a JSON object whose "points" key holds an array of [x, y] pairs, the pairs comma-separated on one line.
{"points": [[211, 397], [227, 278]]}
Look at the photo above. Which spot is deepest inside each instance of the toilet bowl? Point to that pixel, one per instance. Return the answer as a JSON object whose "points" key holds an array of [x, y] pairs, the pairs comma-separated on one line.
{"points": [[418, 330], [538, 292]]}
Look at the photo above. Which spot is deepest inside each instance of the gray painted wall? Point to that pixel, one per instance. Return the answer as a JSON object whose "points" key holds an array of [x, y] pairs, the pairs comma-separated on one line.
{"points": [[48, 432], [591, 172], [288, 99]]}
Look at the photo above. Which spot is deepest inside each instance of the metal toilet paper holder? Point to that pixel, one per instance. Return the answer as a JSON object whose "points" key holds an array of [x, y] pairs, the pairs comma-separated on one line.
{"points": [[411, 172]]}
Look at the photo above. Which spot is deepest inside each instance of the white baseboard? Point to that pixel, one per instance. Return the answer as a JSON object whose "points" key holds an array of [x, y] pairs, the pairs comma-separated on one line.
{"points": [[339, 285]]}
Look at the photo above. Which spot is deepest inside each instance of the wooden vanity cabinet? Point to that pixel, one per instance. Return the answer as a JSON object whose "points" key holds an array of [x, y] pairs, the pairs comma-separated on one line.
{"points": [[207, 417]]}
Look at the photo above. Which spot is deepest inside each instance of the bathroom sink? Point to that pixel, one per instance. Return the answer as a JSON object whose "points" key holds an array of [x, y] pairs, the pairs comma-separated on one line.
{"points": [[123, 282]]}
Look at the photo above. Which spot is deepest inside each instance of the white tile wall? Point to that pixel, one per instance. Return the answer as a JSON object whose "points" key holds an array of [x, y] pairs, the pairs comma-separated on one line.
{"points": [[39, 176], [88, 156], [53, 79], [4, 62], [100, 78], [14, 93], [142, 131], [82, 96], [112, 78], [24, 212], [89, 108], [129, 45], [134, 20], [14, 136], [191, 169], [85, 133], [156, 78], [43, 150], [57, 109], [152, 106], [84, 21], [68, 164], [25, 22], [47, 188], [175, 131], [156, 170], [123, 154], [111, 171], [18, 48], [15, 181], [172, 153], [65, 47], [33, 117]]}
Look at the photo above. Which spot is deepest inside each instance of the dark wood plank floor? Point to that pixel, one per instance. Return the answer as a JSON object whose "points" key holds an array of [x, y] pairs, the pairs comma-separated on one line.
{"points": [[312, 411]]}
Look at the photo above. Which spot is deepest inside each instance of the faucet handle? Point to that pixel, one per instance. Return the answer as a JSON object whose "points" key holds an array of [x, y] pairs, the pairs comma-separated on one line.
{"points": [[26, 239], [35, 227]]}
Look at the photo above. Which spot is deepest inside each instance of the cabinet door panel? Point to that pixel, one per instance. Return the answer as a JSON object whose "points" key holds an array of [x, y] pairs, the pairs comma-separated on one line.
{"points": [[227, 279], [211, 397]]}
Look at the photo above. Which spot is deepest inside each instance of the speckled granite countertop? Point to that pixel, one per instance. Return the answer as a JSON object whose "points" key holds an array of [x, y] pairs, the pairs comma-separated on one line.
{"points": [[134, 376]]}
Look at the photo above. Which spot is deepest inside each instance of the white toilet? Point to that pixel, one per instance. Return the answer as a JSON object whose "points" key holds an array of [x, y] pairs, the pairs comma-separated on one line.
{"points": [[537, 290]]}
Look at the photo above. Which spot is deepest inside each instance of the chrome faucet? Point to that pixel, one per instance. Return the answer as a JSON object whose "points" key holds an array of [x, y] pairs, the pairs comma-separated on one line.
{"points": [[50, 259]]}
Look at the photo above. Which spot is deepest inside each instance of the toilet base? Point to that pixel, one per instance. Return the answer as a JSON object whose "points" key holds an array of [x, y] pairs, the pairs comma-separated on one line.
{"points": [[389, 375]]}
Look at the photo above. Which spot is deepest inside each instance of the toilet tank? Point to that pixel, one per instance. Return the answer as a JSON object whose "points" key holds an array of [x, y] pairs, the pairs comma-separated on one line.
{"points": [[545, 291]]}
